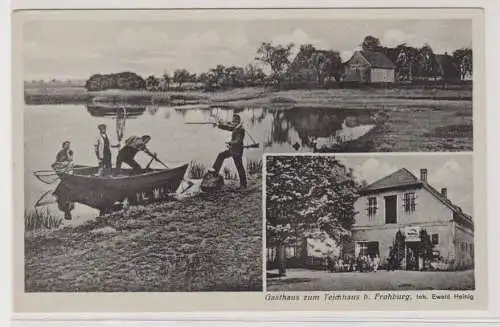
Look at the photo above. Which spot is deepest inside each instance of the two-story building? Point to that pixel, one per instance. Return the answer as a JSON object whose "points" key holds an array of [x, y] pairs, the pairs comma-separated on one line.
{"points": [[402, 202]]}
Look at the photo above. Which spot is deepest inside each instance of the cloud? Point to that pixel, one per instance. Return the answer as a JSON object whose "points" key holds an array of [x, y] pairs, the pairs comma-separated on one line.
{"points": [[373, 169], [458, 181], [395, 37], [347, 54], [298, 37]]}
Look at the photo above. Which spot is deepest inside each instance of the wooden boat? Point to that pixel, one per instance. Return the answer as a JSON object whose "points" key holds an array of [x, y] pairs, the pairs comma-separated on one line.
{"points": [[112, 109], [103, 192]]}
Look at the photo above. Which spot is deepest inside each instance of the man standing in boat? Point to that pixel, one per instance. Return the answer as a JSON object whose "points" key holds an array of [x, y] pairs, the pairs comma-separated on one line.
{"points": [[235, 148], [103, 151], [126, 155]]}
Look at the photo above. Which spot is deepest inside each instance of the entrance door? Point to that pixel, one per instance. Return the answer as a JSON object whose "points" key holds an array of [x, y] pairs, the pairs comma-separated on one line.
{"points": [[413, 261], [391, 216]]}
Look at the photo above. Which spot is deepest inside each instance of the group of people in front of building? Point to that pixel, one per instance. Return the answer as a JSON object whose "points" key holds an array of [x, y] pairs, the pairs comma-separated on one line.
{"points": [[134, 144], [361, 263]]}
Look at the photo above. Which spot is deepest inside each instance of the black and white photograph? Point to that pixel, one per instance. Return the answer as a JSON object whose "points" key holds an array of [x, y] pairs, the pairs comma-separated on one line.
{"points": [[369, 223], [146, 134]]}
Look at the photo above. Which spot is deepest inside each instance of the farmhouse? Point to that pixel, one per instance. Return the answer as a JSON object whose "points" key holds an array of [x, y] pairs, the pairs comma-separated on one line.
{"points": [[402, 202], [369, 67]]}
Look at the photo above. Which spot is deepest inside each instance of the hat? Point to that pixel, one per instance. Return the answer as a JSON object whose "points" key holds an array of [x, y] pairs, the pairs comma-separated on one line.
{"points": [[101, 126]]}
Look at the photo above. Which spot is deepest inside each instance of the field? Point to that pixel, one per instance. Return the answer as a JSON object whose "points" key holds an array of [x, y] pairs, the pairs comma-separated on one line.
{"points": [[420, 119], [195, 244], [307, 280]]}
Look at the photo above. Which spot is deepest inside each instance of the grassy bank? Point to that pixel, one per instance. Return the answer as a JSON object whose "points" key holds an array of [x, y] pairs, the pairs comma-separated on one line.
{"points": [[251, 96], [197, 244]]}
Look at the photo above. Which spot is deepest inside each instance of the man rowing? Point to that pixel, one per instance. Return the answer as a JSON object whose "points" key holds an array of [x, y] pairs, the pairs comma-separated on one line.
{"points": [[127, 154], [102, 149], [235, 148]]}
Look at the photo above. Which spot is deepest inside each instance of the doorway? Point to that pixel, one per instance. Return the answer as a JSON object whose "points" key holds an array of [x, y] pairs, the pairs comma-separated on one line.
{"points": [[391, 204], [413, 260]]}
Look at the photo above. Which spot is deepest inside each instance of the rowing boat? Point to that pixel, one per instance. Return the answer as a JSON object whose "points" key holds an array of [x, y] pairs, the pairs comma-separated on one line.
{"points": [[102, 192], [110, 109]]}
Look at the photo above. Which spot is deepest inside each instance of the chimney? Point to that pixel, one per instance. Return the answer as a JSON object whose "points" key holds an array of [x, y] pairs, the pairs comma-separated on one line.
{"points": [[423, 175], [444, 192]]}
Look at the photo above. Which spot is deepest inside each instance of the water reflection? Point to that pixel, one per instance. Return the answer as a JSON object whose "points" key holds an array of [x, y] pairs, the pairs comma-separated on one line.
{"points": [[298, 129]]}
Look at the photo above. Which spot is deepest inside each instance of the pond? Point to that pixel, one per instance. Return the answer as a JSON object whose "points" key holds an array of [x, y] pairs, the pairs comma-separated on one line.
{"points": [[175, 138]]}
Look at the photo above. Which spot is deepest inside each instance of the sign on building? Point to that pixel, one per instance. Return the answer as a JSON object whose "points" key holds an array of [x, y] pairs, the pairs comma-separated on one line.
{"points": [[412, 234]]}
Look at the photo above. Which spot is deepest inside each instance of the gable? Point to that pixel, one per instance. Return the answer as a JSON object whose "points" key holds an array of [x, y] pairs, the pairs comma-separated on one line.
{"points": [[357, 60], [400, 178]]}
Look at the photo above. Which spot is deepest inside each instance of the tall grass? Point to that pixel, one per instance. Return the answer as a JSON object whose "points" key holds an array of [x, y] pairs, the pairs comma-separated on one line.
{"points": [[197, 170], [254, 166], [228, 175], [40, 219]]}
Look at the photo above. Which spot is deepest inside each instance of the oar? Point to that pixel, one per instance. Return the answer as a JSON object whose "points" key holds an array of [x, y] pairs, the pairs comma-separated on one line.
{"points": [[156, 158], [149, 163]]}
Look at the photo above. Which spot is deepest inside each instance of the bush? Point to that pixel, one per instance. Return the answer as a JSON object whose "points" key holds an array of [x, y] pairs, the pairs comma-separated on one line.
{"points": [[123, 81], [197, 170]]}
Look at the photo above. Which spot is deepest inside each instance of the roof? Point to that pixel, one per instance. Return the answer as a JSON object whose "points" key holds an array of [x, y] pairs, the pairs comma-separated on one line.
{"points": [[404, 178], [448, 70], [377, 59]]}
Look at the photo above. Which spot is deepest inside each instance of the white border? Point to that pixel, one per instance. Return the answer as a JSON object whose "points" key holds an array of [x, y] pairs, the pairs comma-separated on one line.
{"points": [[492, 55]]}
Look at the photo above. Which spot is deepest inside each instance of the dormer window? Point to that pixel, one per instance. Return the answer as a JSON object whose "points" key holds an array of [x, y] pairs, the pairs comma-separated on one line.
{"points": [[409, 202], [372, 206]]}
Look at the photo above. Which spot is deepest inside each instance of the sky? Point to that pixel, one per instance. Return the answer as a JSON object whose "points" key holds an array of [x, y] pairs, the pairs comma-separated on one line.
{"points": [[79, 48], [451, 171]]}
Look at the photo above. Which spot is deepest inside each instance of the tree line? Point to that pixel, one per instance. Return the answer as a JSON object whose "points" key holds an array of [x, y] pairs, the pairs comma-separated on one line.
{"points": [[410, 63]]}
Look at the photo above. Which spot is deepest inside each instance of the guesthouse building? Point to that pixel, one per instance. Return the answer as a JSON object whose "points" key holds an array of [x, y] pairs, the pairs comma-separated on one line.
{"points": [[403, 203]]}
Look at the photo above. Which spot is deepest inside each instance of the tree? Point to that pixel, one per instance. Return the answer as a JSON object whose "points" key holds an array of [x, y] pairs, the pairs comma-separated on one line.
{"points": [[181, 76], [235, 76], [427, 64], [333, 67], [254, 75], [406, 61], [462, 59], [397, 252], [152, 82], [219, 75], [166, 81], [304, 193], [276, 57], [425, 249], [371, 43], [124, 81]]}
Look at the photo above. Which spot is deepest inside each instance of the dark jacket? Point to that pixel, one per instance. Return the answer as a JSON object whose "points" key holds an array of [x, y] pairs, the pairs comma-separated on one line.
{"points": [[237, 136]]}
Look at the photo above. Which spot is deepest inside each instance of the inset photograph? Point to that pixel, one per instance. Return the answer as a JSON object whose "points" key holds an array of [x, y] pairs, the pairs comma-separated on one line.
{"points": [[369, 222]]}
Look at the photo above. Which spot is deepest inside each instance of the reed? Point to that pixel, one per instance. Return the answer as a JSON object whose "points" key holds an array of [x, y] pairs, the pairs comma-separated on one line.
{"points": [[197, 170], [254, 166], [228, 175], [40, 219]]}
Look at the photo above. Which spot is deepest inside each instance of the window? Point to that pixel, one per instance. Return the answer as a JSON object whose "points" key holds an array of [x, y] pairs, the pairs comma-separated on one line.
{"points": [[372, 206], [409, 202], [435, 239]]}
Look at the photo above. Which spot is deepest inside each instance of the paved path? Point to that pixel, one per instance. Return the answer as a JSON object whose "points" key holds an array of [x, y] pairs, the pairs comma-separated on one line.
{"points": [[311, 280]]}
